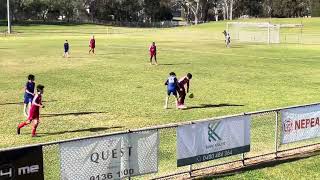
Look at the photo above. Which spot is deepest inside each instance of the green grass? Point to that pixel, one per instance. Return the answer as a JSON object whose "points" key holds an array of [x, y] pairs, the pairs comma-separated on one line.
{"points": [[127, 93]]}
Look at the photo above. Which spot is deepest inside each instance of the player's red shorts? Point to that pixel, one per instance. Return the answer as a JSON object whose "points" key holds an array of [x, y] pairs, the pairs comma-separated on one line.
{"points": [[153, 54], [34, 113]]}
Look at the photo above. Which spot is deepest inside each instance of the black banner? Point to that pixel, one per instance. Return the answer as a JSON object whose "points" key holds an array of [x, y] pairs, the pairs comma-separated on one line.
{"points": [[22, 164], [212, 156]]}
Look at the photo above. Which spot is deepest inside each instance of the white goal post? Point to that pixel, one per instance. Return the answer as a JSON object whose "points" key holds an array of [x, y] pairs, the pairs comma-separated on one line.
{"points": [[263, 32], [254, 32]]}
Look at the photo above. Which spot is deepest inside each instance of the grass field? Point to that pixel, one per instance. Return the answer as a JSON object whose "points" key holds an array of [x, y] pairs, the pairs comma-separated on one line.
{"points": [[117, 89]]}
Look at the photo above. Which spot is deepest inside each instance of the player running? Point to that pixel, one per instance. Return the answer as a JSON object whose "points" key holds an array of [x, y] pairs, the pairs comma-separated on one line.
{"points": [[172, 87], [227, 38], [153, 53], [66, 49], [34, 112], [92, 45], [28, 94], [185, 81]]}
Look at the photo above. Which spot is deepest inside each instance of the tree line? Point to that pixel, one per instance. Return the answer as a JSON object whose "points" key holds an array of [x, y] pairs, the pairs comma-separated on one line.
{"points": [[154, 10]]}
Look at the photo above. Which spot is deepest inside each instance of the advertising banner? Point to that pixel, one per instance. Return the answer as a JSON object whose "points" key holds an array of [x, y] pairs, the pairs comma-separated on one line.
{"points": [[300, 124], [22, 164], [110, 157], [214, 139]]}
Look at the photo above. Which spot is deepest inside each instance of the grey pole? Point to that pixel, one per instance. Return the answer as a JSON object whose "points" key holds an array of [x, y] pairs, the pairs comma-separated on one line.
{"points": [[8, 13], [276, 135]]}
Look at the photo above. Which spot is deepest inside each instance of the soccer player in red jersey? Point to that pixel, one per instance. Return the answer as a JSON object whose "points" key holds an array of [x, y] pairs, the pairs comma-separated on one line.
{"points": [[92, 45], [34, 112], [182, 91], [153, 53]]}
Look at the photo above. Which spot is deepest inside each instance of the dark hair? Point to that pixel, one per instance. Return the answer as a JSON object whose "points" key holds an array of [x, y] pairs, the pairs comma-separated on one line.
{"points": [[40, 87], [31, 77], [172, 74], [189, 75]]}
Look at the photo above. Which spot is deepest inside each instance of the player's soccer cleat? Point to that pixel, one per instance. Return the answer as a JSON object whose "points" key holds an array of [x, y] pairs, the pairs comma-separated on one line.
{"points": [[165, 107], [182, 107], [18, 130]]}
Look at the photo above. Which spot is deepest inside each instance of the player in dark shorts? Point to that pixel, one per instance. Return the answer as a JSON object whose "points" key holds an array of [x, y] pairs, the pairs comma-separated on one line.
{"points": [[66, 49], [153, 53], [92, 45], [172, 87], [227, 38], [29, 91], [182, 91], [34, 113]]}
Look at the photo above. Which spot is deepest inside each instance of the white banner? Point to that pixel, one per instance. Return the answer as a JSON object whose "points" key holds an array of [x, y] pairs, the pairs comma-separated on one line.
{"points": [[300, 124], [110, 157], [212, 139]]}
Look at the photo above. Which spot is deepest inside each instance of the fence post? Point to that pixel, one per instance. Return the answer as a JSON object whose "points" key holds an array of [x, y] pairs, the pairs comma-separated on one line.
{"points": [[276, 134], [243, 160], [190, 171]]}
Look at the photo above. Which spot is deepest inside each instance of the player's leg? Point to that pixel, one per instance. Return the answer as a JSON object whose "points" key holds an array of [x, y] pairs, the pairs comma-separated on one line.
{"points": [[25, 111], [90, 50], [34, 127], [151, 56], [182, 98], [93, 50], [21, 125], [166, 102], [167, 99], [29, 106], [155, 59], [26, 107], [177, 98]]}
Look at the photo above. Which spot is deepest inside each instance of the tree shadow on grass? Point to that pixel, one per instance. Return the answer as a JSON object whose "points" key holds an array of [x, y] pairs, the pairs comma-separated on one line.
{"points": [[21, 103], [97, 129], [71, 114], [272, 163], [174, 64], [203, 106]]}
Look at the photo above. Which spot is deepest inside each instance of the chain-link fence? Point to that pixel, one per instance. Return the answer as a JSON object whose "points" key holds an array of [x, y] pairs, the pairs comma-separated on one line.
{"points": [[265, 133]]}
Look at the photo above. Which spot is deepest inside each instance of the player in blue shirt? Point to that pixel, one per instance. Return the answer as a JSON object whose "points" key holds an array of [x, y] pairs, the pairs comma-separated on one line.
{"points": [[28, 94], [66, 49], [172, 87]]}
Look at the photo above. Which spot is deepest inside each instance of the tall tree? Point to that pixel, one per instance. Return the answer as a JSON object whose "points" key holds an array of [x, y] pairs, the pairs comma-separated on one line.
{"points": [[316, 8]]}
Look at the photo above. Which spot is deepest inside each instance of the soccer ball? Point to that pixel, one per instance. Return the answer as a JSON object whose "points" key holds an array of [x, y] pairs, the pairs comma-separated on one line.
{"points": [[191, 95]]}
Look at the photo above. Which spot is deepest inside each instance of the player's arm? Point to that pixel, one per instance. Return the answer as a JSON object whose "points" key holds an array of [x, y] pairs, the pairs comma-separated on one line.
{"points": [[167, 82], [177, 83], [188, 87]]}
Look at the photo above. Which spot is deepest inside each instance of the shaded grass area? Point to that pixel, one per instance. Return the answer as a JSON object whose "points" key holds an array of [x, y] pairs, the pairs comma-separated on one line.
{"points": [[117, 89]]}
